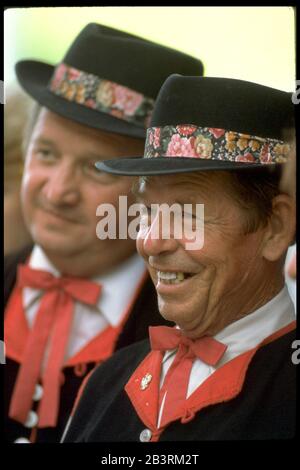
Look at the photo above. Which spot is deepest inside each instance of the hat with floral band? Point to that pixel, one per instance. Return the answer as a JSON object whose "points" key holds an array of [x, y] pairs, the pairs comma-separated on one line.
{"points": [[107, 80], [207, 123]]}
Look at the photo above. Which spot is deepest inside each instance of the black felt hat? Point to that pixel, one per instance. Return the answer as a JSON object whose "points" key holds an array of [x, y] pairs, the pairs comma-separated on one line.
{"points": [[205, 123], [107, 80]]}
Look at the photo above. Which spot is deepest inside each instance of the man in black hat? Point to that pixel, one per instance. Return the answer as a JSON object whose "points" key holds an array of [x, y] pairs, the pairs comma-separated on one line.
{"points": [[225, 371], [73, 299]]}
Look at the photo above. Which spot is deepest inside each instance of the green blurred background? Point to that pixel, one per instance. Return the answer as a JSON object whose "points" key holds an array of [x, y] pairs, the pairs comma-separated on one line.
{"points": [[249, 43]]}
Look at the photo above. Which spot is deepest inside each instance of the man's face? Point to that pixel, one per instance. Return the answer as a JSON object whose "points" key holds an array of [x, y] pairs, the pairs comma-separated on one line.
{"points": [[216, 284], [61, 188]]}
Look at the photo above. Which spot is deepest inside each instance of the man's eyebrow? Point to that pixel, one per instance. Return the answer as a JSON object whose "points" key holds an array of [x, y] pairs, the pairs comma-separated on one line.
{"points": [[44, 141], [89, 155]]}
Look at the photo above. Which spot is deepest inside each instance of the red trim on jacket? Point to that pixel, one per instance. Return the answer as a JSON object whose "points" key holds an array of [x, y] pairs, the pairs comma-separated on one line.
{"points": [[223, 385], [96, 350]]}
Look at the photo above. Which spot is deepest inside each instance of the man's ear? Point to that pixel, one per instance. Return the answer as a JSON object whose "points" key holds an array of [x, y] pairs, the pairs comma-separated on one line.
{"points": [[281, 228]]}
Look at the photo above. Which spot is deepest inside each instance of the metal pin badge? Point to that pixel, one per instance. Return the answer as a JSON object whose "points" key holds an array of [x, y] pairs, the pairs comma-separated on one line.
{"points": [[145, 381]]}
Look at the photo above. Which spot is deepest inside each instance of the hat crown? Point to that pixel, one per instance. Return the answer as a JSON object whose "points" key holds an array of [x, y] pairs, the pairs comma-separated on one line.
{"points": [[223, 103], [108, 53]]}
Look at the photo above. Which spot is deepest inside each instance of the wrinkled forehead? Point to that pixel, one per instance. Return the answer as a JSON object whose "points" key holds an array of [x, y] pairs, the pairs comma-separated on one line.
{"points": [[47, 120], [189, 184]]}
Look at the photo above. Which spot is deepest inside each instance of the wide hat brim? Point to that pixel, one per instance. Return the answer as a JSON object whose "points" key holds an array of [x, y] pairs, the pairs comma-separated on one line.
{"points": [[140, 166], [34, 76]]}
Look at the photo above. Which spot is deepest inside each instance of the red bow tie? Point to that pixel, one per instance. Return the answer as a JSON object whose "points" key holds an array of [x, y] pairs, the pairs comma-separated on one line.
{"points": [[53, 320], [175, 385], [208, 349]]}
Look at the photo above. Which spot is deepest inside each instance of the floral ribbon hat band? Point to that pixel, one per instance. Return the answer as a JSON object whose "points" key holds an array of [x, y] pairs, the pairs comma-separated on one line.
{"points": [[208, 123], [102, 95], [189, 141]]}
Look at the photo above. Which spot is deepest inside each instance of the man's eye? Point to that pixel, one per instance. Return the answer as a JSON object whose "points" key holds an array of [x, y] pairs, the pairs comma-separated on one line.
{"points": [[44, 154], [89, 168]]}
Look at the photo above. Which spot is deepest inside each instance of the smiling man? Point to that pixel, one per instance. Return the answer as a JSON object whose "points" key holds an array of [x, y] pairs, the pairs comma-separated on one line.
{"points": [[224, 371], [73, 298], [203, 291], [60, 193]]}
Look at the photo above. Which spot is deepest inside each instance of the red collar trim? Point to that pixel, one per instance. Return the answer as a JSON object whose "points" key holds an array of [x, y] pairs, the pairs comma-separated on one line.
{"points": [[223, 385]]}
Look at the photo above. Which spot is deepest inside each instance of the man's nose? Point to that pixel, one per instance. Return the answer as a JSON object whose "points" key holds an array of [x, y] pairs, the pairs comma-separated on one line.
{"points": [[62, 186], [157, 238]]}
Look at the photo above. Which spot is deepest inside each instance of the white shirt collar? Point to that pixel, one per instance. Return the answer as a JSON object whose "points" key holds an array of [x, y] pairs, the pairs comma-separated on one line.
{"points": [[118, 286], [37, 260]]}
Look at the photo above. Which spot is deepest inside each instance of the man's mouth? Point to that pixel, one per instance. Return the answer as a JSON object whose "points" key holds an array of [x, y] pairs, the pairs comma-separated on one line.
{"points": [[167, 277], [59, 215]]}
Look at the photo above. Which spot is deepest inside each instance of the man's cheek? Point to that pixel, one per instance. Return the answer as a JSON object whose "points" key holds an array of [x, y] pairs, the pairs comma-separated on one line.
{"points": [[25, 181], [32, 181]]}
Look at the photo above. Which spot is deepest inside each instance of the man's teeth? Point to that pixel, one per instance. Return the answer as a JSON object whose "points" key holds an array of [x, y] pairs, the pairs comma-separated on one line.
{"points": [[170, 278]]}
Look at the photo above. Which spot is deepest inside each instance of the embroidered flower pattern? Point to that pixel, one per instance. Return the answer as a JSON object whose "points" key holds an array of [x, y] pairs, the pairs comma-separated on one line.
{"points": [[126, 100], [281, 150], [186, 131], [265, 155], [203, 146], [102, 95], [217, 133], [247, 157], [154, 138], [188, 140], [180, 146]]}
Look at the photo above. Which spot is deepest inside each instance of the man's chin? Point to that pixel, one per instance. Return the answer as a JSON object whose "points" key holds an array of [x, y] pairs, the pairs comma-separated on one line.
{"points": [[57, 244], [175, 313], [169, 311]]}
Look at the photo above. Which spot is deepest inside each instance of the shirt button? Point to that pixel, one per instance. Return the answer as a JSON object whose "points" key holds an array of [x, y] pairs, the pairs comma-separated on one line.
{"points": [[80, 370], [38, 392], [32, 420], [145, 435], [22, 440]]}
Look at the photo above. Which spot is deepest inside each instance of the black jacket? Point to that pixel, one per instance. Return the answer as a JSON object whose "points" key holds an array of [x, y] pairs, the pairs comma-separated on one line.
{"points": [[264, 409]]}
